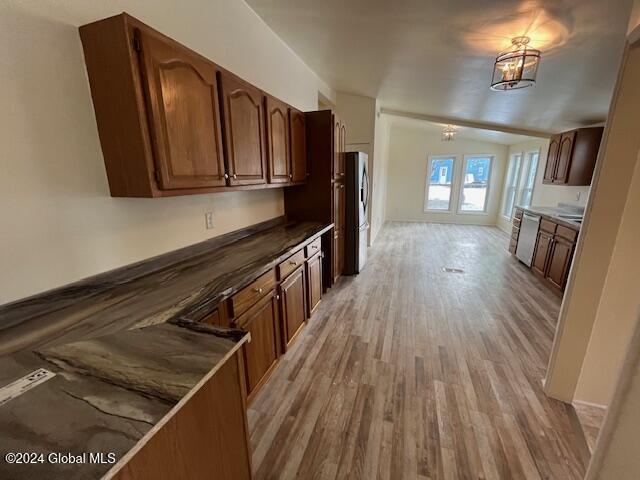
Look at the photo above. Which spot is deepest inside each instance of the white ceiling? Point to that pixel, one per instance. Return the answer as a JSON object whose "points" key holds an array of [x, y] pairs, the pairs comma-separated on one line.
{"points": [[436, 57], [463, 132]]}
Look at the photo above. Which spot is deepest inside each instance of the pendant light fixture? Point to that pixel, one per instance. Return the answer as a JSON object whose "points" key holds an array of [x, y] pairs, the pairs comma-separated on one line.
{"points": [[517, 67], [448, 133]]}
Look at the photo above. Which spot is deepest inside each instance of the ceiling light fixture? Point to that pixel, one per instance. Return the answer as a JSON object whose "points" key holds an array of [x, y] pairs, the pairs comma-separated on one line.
{"points": [[517, 67], [448, 133]]}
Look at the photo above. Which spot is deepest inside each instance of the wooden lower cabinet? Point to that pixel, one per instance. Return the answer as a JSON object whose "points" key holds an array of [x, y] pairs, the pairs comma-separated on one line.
{"points": [[338, 254], [541, 255], [261, 354], [293, 305], [314, 283], [206, 438], [559, 262]]}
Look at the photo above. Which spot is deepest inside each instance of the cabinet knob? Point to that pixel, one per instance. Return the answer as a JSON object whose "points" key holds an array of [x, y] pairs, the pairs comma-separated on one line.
{"points": [[277, 297], [226, 175], [341, 186], [291, 175], [235, 176], [257, 290]]}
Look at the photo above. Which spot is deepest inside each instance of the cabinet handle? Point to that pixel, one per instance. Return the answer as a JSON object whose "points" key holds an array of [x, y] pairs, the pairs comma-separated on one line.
{"points": [[257, 290], [315, 247], [291, 262]]}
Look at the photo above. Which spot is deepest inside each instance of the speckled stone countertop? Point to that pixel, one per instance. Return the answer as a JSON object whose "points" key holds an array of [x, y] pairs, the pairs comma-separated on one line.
{"points": [[552, 213], [125, 347]]}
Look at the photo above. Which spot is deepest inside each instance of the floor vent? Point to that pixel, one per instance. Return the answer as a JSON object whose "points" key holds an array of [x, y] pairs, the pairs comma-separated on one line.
{"points": [[452, 270]]}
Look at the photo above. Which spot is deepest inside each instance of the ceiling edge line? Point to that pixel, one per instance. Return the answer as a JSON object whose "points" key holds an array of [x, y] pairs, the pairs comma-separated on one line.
{"points": [[466, 123]]}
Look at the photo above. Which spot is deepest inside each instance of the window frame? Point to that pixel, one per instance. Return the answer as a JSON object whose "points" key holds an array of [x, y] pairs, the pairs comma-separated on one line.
{"points": [[465, 160], [517, 189], [527, 158], [427, 183]]}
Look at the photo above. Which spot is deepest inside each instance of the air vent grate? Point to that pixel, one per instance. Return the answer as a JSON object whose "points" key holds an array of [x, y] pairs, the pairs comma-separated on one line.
{"points": [[452, 270]]}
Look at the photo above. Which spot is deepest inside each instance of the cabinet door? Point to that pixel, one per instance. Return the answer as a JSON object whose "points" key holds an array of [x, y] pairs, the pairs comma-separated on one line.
{"points": [[559, 262], [191, 444], [552, 159], [298, 131], [278, 141], [314, 283], [294, 305], [261, 354], [343, 149], [337, 144], [182, 97], [244, 131], [564, 157], [541, 254]]}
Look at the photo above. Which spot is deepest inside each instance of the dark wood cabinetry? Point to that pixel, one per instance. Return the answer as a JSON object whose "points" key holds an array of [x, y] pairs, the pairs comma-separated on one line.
{"points": [[171, 122], [314, 283], [572, 156], [322, 198], [555, 245], [278, 146], [244, 131], [294, 305], [206, 438], [261, 354], [181, 89], [297, 131]]}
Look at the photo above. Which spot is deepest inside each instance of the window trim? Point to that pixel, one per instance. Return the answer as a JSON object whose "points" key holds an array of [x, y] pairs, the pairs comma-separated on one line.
{"points": [[465, 159], [517, 186], [427, 184], [526, 157]]}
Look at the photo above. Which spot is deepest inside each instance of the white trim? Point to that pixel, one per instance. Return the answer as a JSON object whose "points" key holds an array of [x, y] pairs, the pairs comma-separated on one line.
{"points": [[588, 404], [506, 187], [465, 158], [427, 184], [526, 157]]}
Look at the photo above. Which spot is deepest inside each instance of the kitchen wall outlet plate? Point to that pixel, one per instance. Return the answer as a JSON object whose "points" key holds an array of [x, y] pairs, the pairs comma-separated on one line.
{"points": [[208, 217]]}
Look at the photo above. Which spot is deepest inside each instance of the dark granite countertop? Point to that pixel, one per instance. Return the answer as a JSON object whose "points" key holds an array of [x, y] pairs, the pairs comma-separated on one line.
{"points": [[125, 347], [553, 213]]}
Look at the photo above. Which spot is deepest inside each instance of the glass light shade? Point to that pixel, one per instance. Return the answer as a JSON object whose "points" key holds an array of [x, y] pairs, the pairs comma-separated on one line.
{"points": [[448, 133], [516, 68]]}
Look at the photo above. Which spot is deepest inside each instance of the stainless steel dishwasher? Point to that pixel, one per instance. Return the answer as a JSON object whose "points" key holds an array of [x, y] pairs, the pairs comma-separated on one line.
{"points": [[527, 238]]}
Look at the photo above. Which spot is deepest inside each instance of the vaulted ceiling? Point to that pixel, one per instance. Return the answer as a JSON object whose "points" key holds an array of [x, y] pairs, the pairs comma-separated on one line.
{"points": [[436, 57]]}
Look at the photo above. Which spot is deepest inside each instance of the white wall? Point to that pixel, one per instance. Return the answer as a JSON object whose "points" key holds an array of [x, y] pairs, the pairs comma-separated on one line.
{"points": [[409, 149], [59, 223], [380, 176]]}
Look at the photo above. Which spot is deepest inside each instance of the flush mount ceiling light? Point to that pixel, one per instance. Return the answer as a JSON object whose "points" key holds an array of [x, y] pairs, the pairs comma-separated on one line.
{"points": [[517, 67], [448, 133]]}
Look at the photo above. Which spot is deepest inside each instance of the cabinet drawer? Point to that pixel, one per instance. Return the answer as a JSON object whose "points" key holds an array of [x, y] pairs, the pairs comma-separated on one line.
{"points": [[290, 264], [512, 245], [514, 234], [313, 248], [516, 222], [547, 225], [518, 214], [249, 295], [566, 232]]}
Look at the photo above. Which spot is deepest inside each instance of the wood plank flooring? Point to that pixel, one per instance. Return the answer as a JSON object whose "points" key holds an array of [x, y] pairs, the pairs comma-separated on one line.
{"points": [[407, 371]]}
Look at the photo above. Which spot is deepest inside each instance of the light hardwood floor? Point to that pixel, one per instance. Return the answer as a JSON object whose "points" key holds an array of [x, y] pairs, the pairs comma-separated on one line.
{"points": [[407, 371]]}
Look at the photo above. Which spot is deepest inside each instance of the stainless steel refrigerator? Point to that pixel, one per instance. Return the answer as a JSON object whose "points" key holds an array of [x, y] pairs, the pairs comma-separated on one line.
{"points": [[356, 214]]}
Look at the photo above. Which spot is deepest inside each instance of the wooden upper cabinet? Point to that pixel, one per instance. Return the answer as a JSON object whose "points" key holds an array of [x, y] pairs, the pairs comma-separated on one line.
{"points": [[564, 157], [572, 157], [278, 147], [552, 159], [297, 129], [244, 131], [182, 97]]}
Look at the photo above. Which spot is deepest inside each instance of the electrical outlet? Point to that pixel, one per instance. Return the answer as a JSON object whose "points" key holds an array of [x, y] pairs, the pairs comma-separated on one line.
{"points": [[208, 217]]}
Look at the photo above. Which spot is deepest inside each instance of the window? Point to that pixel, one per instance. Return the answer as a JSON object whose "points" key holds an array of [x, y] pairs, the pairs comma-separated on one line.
{"points": [[529, 178], [475, 183], [438, 184], [511, 187]]}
